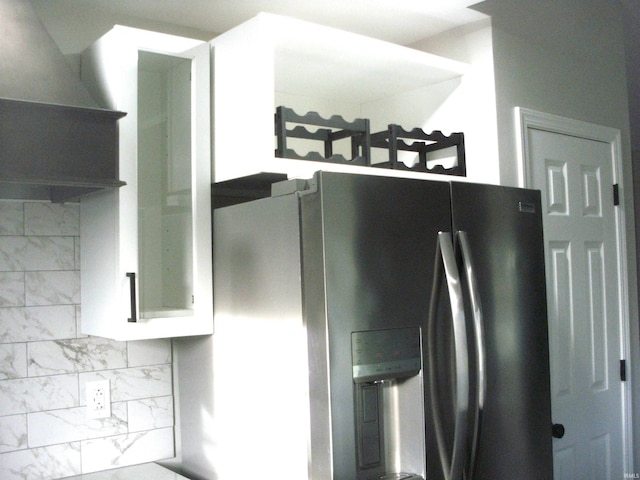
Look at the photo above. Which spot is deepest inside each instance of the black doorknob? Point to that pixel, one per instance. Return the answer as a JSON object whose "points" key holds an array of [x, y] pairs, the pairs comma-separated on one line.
{"points": [[557, 430]]}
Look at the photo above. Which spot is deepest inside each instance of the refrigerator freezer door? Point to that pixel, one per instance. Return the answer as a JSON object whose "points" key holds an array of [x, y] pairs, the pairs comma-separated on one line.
{"points": [[504, 231], [368, 245]]}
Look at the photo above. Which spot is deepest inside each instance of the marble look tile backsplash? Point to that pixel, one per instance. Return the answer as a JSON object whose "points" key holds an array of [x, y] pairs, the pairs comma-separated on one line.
{"points": [[45, 361]]}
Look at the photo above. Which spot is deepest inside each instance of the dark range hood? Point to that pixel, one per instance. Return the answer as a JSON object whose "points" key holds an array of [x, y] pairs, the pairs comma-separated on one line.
{"points": [[55, 143]]}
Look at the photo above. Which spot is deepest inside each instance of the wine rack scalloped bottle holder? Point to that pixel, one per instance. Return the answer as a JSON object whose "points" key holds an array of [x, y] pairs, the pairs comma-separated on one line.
{"points": [[332, 129], [394, 139]]}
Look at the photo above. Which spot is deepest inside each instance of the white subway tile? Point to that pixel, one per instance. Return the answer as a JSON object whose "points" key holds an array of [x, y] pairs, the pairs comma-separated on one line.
{"points": [[26, 324], [13, 433], [26, 395], [150, 413], [133, 383], [36, 253], [123, 450], [51, 219], [71, 424], [50, 253], [77, 355], [149, 352], [52, 288], [56, 461], [13, 360], [11, 218], [12, 289], [12, 253]]}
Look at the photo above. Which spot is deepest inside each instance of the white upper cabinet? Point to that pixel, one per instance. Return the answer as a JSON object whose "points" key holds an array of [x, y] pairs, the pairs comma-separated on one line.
{"points": [[146, 247], [272, 61]]}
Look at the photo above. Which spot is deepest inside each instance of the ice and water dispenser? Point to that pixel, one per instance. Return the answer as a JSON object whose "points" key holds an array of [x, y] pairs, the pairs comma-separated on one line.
{"points": [[388, 404]]}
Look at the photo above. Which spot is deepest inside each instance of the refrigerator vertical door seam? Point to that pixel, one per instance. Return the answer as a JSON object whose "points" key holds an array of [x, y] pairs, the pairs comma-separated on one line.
{"points": [[446, 264], [480, 350]]}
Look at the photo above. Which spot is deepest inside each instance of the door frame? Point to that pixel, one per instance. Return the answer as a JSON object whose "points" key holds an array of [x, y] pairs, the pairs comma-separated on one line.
{"points": [[526, 120]]}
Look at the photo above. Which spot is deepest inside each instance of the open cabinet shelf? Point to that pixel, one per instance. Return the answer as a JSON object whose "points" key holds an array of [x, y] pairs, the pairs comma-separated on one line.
{"points": [[273, 60]]}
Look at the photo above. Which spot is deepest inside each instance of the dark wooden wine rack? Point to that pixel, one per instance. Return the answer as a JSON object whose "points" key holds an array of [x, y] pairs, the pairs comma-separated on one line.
{"points": [[336, 128], [394, 139]]}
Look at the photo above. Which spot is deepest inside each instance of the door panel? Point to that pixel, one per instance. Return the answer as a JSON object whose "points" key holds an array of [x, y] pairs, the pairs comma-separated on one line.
{"points": [[576, 177], [596, 314], [561, 333]]}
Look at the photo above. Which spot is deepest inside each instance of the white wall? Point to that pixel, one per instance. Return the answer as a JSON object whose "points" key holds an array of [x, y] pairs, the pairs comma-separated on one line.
{"points": [[566, 58], [553, 57], [632, 51], [474, 103]]}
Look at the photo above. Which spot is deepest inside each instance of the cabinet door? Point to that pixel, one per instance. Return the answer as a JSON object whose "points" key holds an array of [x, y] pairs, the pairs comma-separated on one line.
{"points": [[165, 275], [160, 221]]}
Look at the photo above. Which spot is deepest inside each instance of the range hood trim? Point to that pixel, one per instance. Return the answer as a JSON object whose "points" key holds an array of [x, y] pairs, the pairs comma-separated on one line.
{"points": [[115, 114], [56, 152], [50, 190]]}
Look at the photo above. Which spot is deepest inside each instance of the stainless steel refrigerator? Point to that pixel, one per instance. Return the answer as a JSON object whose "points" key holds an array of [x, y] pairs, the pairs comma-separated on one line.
{"points": [[371, 327]]}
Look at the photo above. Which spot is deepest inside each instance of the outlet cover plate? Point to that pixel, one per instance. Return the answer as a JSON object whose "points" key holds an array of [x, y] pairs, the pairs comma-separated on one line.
{"points": [[98, 396]]}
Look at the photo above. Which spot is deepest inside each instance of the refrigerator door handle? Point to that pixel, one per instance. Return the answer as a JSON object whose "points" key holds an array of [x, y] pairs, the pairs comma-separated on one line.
{"points": [[480, 351], [452, 467]]}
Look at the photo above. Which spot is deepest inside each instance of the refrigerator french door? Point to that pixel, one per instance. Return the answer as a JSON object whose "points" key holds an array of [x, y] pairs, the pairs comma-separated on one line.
{"points": [[501, 425], [336, 355]]}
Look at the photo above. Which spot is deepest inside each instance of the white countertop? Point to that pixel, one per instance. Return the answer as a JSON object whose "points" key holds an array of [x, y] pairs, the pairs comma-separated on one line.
{"points": [[146, 471]]}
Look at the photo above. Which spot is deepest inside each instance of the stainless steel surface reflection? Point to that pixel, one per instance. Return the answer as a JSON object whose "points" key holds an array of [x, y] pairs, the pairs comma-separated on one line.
{"points": [[336, 353]]}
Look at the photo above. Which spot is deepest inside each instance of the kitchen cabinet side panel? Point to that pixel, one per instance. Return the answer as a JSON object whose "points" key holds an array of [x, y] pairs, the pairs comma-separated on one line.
{"points": [[243, 79], [99, 260]]}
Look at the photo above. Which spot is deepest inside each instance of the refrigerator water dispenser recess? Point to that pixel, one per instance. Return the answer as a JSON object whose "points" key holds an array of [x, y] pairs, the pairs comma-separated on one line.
{"points": [[384, 354], [383, 362]]}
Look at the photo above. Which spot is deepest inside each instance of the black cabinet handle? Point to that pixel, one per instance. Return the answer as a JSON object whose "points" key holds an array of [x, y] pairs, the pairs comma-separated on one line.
{"points": [[132, 286], [557, 430]]}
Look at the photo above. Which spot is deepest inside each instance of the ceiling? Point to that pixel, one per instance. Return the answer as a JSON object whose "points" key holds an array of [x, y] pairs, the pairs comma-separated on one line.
{"points": [[75, 24]]}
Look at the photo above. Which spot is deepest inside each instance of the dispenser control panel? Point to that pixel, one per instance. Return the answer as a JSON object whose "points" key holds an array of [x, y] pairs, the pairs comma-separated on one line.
{"points": [[385, 354]]}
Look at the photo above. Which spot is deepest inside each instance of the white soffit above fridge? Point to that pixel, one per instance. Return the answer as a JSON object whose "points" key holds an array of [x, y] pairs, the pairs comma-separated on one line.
{"points": [[309, 59], [336, 64]]}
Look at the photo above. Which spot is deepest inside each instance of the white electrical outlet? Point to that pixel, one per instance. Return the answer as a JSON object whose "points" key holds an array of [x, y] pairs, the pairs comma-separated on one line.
{"points": [[98, 398]]}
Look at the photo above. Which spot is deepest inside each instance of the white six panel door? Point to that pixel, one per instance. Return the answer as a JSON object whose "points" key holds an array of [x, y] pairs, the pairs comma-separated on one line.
{"points": [[576, 179]]}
